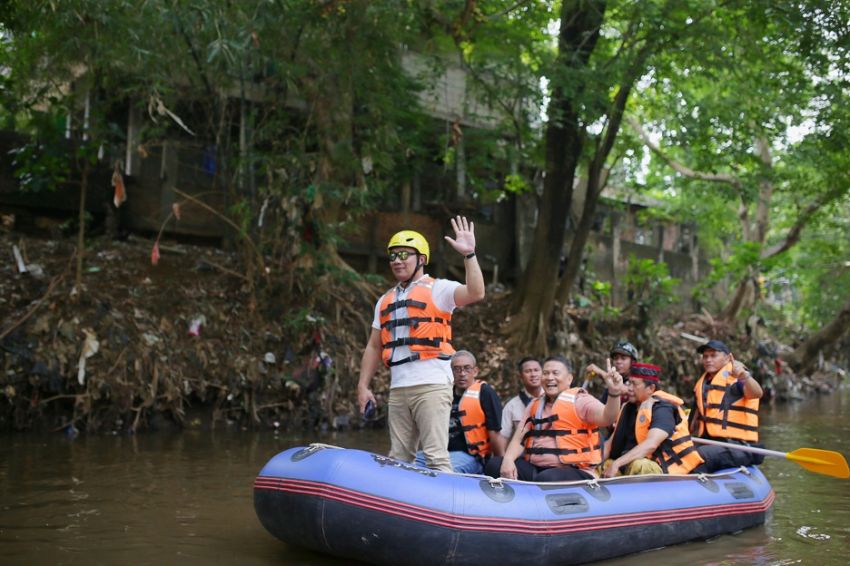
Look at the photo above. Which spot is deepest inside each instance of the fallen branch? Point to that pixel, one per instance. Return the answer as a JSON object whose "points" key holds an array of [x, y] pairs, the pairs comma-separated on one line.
{"points": [[230, 223], [40, 302], [224, 269], [64, 396]]}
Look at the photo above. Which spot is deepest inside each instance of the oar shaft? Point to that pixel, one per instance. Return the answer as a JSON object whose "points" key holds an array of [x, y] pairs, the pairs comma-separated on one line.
{"points": [[741, 447]]}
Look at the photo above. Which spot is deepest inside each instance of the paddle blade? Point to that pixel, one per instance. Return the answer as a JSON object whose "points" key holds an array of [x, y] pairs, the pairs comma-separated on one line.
{"points": [[826, 462]]}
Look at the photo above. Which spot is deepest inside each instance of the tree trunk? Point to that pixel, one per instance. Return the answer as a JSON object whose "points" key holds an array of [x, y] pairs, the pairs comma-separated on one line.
{"points": [[744, 298], [576, 253], [745, 295], [806, 353], [597, 174], [535, 297]]}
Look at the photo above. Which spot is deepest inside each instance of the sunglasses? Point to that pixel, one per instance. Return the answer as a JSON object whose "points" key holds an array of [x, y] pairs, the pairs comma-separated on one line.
{"points": [[403, 255]]}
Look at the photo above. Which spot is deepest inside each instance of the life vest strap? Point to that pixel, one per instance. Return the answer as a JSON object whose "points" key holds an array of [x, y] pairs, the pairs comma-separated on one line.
{"points": [[413, 321], [559, 451], [404, 303], [738, 408], [726, 424], [558, 432], [408, 341], [541, 421], [679, 441], [411, 358]]}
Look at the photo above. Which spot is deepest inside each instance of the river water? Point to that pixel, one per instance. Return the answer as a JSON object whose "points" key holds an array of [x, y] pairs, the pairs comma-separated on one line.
{"points": [[187, 498]]}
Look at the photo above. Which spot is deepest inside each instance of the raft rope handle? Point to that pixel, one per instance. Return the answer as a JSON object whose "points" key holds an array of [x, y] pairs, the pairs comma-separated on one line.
{"points": [[319, 445]]}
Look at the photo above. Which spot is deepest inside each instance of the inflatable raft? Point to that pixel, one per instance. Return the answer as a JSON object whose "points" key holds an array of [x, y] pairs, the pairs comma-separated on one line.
{"points": [[363, 506]]}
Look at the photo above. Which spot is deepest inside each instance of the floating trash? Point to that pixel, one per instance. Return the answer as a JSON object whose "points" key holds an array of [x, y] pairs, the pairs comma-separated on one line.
{"points": [[807, 533]]}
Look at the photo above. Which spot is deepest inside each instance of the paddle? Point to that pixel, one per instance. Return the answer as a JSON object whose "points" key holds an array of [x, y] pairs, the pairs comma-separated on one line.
{"points": [[824, 462]]}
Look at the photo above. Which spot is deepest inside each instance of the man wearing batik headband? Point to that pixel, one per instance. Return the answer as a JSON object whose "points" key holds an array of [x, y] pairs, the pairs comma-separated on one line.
{"points": [[657, 426]]}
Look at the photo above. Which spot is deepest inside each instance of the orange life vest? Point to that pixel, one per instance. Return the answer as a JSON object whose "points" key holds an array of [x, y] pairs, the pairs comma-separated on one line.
{"points": [[472, 421], [430, 330], [677, 454], [723, 414], [577, 441]]}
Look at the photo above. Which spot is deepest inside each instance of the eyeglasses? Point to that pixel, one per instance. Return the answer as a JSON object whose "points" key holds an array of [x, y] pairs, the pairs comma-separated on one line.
{"points": [[403, 255], [462, 369]]}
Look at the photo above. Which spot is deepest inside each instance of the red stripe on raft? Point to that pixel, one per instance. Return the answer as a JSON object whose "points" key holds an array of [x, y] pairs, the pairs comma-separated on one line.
{"points": [[496, 524]]}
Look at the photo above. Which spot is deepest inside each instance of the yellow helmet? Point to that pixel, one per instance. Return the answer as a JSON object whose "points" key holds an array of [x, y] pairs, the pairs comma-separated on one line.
{"points": [[411, 239]]}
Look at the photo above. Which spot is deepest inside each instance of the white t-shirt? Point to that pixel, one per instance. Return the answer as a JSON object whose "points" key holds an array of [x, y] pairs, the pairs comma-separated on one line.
{"points": [[512, 412], [421, 372]]}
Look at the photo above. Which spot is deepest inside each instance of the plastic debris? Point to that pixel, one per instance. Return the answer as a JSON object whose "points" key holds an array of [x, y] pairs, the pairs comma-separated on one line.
{"points": [[22, 268], [155, 253], [90, 348], [270, 358], [195, 325]]}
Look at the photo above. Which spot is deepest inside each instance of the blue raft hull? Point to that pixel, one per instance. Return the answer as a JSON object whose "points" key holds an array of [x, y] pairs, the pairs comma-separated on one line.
{"points": [[358, 505]]}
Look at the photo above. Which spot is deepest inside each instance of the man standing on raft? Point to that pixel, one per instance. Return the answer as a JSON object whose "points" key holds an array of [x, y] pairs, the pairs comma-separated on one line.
{"points": [[411, 334]]}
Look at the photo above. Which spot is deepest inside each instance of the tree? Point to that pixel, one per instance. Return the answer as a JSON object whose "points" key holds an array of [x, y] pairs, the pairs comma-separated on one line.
{"points": [[309, 97], [580, 26], [715, 137], [58, 69], [604, 49]]}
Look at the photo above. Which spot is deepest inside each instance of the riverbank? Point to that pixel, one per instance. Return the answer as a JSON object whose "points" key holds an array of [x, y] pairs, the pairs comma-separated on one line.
{"points": [[178, 345]]}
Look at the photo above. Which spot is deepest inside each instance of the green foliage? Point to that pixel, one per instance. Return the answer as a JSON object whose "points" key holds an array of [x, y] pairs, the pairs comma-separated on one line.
{"points": [[601, 291], [41, 164], [649, 284], [811, 283], [516, 184]]}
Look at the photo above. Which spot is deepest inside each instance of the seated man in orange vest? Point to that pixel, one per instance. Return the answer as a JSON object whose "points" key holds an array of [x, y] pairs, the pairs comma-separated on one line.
{"points": [[559, 437], [651, 435], [476, 419], [726, 405]]}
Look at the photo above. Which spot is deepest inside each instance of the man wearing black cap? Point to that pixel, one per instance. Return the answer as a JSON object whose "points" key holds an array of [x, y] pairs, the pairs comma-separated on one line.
{"points": [[726, 406], [652, 436], [623, 355]]}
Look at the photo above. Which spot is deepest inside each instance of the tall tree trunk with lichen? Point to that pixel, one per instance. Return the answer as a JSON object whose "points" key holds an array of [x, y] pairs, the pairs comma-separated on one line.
{"points": [[535, 297]]}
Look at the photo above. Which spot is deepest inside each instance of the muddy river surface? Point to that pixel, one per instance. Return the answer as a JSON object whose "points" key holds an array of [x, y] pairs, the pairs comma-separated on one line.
{"points": [[186, 498]]}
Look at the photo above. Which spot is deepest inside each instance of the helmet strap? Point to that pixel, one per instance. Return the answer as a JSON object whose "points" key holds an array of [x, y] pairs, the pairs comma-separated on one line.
{"points": [[418, 265]]}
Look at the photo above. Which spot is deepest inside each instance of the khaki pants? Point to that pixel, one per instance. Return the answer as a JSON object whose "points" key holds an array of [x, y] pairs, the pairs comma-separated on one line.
{"points": [[639, 467], [419, 417]]}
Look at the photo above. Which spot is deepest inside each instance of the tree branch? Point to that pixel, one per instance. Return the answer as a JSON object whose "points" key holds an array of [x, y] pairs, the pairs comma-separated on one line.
{"points": [[679, 167], [793, 235]]}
